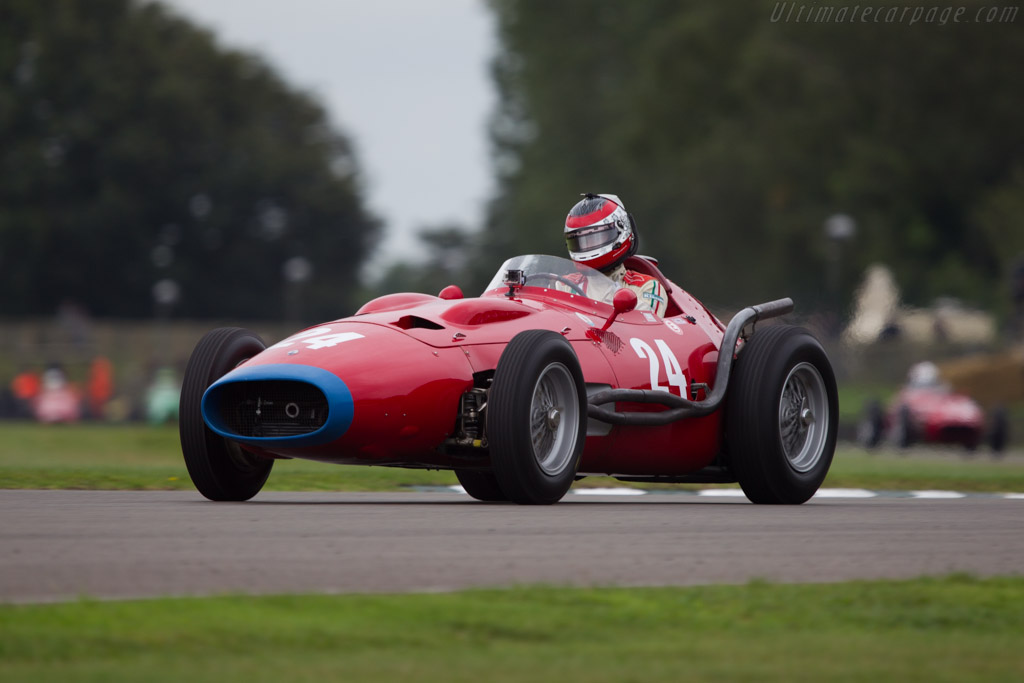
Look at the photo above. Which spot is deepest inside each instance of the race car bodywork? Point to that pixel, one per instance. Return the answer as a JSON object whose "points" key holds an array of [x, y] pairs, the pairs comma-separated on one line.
{"points": [[520, 391]]}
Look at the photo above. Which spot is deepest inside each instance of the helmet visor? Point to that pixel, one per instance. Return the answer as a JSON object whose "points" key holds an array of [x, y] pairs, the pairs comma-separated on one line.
{"points": [[594, 237]]}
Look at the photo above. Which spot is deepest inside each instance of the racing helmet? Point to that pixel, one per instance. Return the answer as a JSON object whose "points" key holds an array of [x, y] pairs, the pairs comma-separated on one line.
{"points": [[599, 233], [923, 374]]}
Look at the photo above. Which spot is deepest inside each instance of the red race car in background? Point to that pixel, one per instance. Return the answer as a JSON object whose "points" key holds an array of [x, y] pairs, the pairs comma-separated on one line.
{"points": [[926, 410], [521, 391]]}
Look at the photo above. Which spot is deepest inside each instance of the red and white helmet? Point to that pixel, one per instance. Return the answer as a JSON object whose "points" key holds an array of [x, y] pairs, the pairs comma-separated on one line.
{"points": [[599, 233]]}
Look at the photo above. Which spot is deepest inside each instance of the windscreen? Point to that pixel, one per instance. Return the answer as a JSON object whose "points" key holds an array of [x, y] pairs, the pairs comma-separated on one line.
{"points": [[557, 273]]}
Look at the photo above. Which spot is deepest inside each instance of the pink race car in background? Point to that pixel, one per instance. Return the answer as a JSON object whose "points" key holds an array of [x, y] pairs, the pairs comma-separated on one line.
{"points": [[927, 410]]}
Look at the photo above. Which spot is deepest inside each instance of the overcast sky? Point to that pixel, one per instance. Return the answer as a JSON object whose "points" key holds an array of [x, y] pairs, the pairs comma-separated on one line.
{"points": [[406, 80]]}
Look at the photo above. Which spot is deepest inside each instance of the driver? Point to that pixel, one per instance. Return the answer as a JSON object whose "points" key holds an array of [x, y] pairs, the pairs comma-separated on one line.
{"points": [[600, 234]]}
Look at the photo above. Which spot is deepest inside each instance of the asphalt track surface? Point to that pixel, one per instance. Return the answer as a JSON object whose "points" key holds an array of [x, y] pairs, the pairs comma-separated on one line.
{"points": [[57, 545]]}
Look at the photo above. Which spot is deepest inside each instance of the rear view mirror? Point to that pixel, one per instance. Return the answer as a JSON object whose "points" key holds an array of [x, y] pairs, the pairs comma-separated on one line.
{"points": [[624, 301]]}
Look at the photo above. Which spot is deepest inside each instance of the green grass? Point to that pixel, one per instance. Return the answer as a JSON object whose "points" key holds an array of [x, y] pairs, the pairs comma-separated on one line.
{"points": [[854, 396], [951, 629], [944, 470], [138, 457]]}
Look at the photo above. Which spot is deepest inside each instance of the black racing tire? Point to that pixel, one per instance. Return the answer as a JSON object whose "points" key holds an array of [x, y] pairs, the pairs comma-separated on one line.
{"points": [[904, 434], [999, 435], [871, 425], [782, 416], [481, 485], [220, 469], [537, 418]]}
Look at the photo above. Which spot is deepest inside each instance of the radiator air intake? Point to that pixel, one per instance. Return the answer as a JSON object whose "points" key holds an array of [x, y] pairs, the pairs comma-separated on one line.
{"points": [[279, 405], [272, 408]]}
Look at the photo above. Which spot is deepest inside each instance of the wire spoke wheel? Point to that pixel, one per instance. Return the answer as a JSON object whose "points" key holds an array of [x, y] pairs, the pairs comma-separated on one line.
{"points": [[553, 415], [803, 417]]}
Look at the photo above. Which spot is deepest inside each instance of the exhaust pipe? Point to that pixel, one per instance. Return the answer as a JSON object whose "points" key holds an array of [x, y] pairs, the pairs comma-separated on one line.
{"points": [[678, 407]]}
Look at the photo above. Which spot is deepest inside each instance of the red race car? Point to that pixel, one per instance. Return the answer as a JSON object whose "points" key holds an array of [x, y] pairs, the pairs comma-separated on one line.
{"points": [[521, 391], [927, 410]]}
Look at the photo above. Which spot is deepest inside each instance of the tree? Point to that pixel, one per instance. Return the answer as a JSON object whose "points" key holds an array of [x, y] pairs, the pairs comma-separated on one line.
{"points": [[732, 138], [136, 150]]}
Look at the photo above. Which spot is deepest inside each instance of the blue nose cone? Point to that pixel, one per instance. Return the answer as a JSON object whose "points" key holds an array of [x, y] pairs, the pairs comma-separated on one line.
{"points": [[279, 405]]}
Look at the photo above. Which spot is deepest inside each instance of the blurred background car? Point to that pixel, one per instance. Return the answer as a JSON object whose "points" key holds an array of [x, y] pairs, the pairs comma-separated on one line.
{"points": [[927, 410]]}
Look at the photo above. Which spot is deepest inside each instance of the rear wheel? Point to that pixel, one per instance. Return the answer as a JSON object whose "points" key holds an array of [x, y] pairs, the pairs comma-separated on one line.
{"points": [[536, 418], [220, 469], [782, 417], [481, 485]]}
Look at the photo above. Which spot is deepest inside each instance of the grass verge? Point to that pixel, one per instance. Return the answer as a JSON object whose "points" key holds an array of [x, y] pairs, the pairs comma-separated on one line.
{"points": [[144, 458], [951, 629]]}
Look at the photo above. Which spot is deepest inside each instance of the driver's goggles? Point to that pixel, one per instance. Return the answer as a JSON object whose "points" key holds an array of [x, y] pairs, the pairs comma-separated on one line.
{"points": [[595, 237]]}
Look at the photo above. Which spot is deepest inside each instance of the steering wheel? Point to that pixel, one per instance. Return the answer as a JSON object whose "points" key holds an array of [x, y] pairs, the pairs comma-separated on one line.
{"points": [[561, 278]]}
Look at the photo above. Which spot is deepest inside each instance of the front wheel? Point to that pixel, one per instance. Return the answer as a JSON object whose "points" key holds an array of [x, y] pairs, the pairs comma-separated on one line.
{"points": [[782, 416], [904, 433], [536, 418], [220, 469], [871, 425]]}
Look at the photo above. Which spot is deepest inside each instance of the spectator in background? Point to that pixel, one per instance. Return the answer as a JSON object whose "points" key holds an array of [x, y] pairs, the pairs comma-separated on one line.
{"points": [[58, 399], [25, 387], [163, 396], [100, 388]]}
